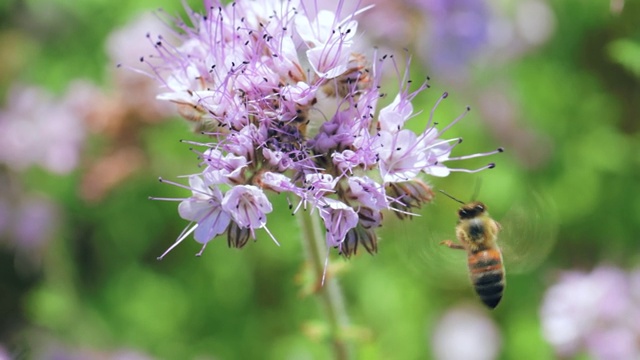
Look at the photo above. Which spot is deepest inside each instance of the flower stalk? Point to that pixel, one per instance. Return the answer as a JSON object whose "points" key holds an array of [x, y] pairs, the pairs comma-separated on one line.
{"points": [[329, 293]]}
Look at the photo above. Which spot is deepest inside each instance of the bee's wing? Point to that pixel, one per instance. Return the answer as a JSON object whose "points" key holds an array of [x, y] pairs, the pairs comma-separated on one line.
{"points": [[528, 234], [423, 255]]}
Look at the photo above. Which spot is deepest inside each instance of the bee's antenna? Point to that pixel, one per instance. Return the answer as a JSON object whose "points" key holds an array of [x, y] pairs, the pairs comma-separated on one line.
{"points": [[476, 191], [460, 201]]}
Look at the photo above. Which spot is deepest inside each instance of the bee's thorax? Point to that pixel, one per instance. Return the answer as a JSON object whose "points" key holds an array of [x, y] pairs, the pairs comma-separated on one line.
{"points": [[476, 229]]}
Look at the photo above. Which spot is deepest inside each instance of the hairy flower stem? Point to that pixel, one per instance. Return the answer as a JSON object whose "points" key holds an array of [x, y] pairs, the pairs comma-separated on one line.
{"points": [[315, 246]]}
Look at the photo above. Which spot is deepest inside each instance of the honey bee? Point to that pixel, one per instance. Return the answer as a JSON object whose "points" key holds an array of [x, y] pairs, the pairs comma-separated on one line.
{"points": [[477, 233]]}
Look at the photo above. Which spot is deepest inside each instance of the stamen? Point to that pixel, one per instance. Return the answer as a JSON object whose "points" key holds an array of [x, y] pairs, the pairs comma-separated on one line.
{"points": [[165, 199], [201, 250], [456, 120], [403, 212], [180, 239], [465, 157], [326, 265], [443, 142], [197, 143], [271, 235], [433, 110], [358, 12], [488, 166], [179, 185]]}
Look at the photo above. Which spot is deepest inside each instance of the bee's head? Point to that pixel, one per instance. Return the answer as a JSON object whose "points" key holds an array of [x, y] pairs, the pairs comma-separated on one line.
{"points": [[472, 210]]}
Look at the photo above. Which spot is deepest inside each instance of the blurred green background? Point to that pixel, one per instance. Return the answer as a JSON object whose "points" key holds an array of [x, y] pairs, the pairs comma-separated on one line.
{"points": [[556, 83]]}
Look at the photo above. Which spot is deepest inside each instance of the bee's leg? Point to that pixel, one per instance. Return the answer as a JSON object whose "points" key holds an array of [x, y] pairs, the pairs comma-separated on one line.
{"points": [[498, 225], [450, 244]]}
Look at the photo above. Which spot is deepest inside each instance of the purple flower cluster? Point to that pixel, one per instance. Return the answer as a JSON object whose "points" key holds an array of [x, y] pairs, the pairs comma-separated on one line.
{"points": [[597, 313], [38, 129], [290, 105], [458, 30]]}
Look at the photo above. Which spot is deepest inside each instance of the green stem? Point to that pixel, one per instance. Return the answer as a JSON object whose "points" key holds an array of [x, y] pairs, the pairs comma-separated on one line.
{"points": [[313, 239]]}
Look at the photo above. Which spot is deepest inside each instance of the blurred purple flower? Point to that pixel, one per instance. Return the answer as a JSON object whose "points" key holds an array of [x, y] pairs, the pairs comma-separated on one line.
{"points": [[27, 225], [452, 36], [48, 347], [34, 222], [469, 326], [37, 129], [291, 106], [457, 31], [595, 312]]}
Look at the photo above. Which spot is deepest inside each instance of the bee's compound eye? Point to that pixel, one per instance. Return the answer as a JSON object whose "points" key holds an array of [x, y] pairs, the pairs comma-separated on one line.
{"points": [[463, 213], [479, 208]]}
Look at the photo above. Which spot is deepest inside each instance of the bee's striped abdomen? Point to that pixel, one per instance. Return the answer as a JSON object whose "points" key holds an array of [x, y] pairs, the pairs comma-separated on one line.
{"points": [[487, 275]]}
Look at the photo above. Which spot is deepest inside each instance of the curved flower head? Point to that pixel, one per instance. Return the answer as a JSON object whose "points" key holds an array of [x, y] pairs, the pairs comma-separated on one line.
{"points": [[291, 106]]}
